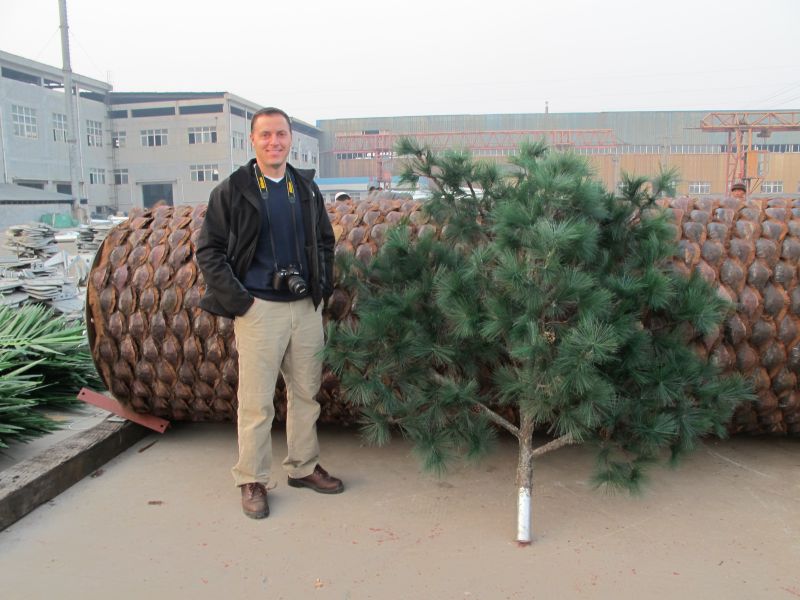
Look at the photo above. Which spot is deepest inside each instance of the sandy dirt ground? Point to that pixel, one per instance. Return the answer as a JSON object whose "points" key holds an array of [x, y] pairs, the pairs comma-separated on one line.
{"points": [[163, 520]]}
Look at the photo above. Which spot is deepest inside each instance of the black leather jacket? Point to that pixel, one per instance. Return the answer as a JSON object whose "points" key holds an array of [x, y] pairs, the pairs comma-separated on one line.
{"points": [[230, 232]]}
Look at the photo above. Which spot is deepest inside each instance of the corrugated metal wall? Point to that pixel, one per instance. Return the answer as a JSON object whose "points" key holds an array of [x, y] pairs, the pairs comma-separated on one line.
{"points": [[651, 128], [644, 127]]}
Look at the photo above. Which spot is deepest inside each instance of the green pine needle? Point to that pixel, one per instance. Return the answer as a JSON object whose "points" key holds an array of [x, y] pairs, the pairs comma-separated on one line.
{"points": [[44, 362], [545, 295]]}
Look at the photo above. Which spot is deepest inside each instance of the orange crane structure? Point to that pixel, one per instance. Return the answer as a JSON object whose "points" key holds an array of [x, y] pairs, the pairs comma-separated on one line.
{"points": [[379, 147], [742, 159]]}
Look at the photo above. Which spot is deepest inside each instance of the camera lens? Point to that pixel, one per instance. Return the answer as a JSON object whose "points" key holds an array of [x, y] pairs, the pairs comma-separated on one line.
{"points": [[296, 285]]}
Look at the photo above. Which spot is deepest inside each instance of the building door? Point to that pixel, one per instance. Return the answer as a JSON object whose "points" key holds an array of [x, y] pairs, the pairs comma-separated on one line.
{"points": [[153, 193]]}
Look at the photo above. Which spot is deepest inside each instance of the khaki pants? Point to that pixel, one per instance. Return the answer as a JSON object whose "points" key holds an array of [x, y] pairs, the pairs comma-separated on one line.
{"points": [[275, 337]]}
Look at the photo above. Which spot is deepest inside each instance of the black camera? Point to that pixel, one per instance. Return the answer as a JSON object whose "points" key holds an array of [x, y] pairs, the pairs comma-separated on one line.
{"points": [[289, 279]]}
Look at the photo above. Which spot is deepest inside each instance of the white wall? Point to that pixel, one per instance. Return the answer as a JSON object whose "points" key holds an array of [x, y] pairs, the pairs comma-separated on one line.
{"points": [[43, 159]]}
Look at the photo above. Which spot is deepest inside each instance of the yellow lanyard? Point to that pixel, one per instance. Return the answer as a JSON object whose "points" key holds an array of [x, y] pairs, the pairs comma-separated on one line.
{"points": [[262, 184]]}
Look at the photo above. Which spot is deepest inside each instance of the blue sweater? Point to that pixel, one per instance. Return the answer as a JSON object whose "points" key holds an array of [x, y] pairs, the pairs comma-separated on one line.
{"points": [[258, 280]]}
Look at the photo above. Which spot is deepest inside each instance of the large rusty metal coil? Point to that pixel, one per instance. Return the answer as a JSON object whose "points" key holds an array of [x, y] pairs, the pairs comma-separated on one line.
{"points": [[160, 354]]}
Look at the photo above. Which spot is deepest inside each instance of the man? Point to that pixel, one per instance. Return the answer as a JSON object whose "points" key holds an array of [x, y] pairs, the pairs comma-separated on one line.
{"points": [[738, 190], [266, 253]]}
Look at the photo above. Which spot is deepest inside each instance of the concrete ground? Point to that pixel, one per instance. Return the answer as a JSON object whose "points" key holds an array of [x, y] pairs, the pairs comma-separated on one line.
{"points": [[163, 520], [71, 421]]}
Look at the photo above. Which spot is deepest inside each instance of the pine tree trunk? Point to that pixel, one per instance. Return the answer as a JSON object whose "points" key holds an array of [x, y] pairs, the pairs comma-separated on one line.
{"points": [[524, 480]]}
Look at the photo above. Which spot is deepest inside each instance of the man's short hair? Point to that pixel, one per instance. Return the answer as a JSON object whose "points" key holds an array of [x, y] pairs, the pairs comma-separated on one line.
{"points": [[342, 196], [270, 110]]}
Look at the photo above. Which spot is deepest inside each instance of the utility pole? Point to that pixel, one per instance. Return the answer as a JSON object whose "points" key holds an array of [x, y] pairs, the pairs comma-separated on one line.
{"points": [[72, 129]]}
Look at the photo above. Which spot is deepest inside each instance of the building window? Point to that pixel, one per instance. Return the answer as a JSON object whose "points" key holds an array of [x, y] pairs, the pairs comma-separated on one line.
{"points": [[237, 140], [20, 76], [154, 137], [120, 176], [118, 139], [36, 185], [23, 119], [772, 187], [204, 172], [699, 187], [64, 188], [97, 176], [294, 154], [94, 133], [202, 135], [59, 127]]}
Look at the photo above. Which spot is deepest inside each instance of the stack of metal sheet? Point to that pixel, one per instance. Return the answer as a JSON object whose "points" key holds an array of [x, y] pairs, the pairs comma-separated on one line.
{"points": [[10, 294], [91, 236], [54, 282], [49, 288], [31, 240]]}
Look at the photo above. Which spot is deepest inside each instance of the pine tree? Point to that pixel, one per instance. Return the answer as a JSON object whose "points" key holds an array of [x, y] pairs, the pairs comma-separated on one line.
{"points": [[546, 301]]}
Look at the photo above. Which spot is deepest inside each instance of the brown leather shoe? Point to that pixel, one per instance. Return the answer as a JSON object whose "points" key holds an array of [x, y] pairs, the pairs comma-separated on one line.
{"points": [[254, 500], [319, 481]]}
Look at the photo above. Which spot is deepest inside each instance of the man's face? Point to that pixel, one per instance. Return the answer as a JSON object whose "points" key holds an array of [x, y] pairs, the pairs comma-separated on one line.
{"points": [[272, 140], [738, 194]]}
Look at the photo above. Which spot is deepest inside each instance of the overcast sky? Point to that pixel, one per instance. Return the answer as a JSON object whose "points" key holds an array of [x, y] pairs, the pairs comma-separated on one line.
{"points": [[358, 58]]}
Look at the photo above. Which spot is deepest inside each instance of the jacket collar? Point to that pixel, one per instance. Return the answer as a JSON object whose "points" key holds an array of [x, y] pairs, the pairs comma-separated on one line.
{"points": [[242, 178]]}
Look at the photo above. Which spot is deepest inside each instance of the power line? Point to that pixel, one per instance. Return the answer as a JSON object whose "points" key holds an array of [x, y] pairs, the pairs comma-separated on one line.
{"points": [[75, 39], [793, 98], [789, 88], [47, 43]]}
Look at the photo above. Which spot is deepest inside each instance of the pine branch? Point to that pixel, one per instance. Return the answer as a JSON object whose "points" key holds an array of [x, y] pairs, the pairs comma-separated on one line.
{"points": [[497, 419], [490, 414], [564, 440]]}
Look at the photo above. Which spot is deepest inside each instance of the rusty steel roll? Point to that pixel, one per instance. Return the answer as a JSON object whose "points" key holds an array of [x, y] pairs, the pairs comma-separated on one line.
{"points": [[160, 354]]}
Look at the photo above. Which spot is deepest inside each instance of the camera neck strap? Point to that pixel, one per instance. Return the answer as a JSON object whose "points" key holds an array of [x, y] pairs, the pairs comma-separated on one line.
{"points": [[290, 187]]}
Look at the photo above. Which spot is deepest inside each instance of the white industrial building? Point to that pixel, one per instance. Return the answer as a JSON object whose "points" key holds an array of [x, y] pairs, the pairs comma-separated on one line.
{"points": [[175, 147], [135, 149], [33, 130]]}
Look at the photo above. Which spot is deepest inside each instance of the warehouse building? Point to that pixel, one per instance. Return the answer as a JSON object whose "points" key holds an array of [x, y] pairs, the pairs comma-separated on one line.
{"points": [[23, 204], [709, 149], [134, 149], [141, 148], [33, 130], [175, 147]]}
